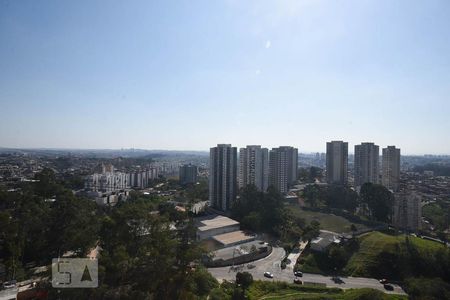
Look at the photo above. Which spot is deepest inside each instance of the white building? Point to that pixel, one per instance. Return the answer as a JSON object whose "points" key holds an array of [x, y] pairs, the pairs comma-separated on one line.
{"points": [[254, 167], [107, 182]]}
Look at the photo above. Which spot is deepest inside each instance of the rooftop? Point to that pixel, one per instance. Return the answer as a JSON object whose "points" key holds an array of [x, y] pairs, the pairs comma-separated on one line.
{"points": [[215, 221], [233, 237]]}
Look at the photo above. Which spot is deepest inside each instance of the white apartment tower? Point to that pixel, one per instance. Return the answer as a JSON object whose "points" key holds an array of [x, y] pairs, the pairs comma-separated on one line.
{"points": [[390, 167], [366, 163], [222, 176], [254, 167], [337, 162], [283, 167]]}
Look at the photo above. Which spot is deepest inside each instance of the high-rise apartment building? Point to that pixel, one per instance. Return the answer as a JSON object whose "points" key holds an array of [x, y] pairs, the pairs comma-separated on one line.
{"points": [[366, 163], [390, 167], [337, 162], [254, 167], [283, 167], [188, 174], [222, 176], [407, 211]]}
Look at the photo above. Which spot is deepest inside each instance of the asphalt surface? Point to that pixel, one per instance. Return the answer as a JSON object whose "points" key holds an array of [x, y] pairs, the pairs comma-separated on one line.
{"points": [[272, 264]]}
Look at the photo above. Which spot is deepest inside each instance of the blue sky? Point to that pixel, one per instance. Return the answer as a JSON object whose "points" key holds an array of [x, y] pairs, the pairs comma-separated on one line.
{"points": [[190, 74]]}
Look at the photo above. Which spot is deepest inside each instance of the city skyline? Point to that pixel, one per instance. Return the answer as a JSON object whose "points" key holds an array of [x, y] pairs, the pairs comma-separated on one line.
{"points": [[187, 76]]}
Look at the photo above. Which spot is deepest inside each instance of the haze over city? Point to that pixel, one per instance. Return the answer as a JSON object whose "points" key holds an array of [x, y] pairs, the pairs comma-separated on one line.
{"points": [[191, 74], [225, 150]]}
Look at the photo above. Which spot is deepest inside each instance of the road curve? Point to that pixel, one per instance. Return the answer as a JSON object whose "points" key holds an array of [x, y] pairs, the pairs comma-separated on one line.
{"points": [[272, 263]]}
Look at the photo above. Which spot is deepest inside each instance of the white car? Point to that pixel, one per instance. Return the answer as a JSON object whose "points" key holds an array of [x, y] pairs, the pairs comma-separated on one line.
{"points": [[268, 275], [10, 284]]}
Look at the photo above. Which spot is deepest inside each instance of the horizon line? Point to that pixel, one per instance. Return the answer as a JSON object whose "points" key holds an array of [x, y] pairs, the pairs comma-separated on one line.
{"points": [[170, 150]]}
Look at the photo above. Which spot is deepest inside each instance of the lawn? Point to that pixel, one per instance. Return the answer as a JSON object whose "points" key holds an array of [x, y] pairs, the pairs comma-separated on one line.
{"points": [[327, 221], [283, 291]]}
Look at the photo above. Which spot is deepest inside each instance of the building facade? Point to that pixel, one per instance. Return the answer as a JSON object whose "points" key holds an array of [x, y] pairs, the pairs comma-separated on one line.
{"points": [[407, 211], [283, 167], [390, 167], [222, 176], [366, 164], [107, 182], [254, 167], [141, 178], [188, 174], [337, 162]]}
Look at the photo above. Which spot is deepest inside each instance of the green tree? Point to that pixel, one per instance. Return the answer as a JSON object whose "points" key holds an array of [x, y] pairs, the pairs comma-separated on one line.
{"points": [[244, 279], [378, 199], [427, 288], [311, 194]]}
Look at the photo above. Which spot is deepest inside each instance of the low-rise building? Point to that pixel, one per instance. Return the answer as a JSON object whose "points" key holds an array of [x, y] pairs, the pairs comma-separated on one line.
{"points": [[212, 225]]}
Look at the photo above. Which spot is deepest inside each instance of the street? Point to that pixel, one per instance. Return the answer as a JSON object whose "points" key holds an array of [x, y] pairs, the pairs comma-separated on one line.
{"points": [[272, 264]]}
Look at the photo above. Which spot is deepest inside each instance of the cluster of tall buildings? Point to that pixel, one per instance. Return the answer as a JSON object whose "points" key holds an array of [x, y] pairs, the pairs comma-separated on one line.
{"points": [[366, 164], [407, 209], [107, 179], [257, 166]]}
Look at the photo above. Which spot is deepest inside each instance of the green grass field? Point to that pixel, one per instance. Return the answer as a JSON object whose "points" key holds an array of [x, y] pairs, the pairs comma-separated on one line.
{"points": [[372, 245], [327, 221], [283, 291], [366, 261]]}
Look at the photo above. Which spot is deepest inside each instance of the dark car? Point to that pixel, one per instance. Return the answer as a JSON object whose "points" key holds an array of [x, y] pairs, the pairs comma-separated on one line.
{"points": [[389, 287], [297, 281], [383, 281], [337, 280], [298, 273]]}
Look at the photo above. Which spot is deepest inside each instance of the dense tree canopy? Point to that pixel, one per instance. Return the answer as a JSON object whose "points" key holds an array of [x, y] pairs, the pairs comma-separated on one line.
{"points": [[265, 212], [43, 220], [378, 199]]}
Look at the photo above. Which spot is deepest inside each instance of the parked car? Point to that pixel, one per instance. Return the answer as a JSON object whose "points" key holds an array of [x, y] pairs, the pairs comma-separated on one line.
{"points": [[389, 287], [298, 273], [298, 281], [383, 281], [9, 284], [268, 275]]}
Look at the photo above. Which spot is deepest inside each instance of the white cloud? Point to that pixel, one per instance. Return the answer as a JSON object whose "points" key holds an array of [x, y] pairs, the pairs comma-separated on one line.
{"points": [[268, 44]]}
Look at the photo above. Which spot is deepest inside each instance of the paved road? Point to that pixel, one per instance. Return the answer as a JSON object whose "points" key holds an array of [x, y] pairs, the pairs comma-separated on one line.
{"points": [[272, 264]]}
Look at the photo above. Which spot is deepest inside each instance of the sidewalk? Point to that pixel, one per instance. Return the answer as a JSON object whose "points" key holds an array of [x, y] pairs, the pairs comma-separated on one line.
{"points": [[293, 256]]}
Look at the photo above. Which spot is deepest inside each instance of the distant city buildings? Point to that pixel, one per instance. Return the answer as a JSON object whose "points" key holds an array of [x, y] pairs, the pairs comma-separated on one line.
{"points": [[110, 180], [141, 178], [407, 211], [366, 164], [188, 174], [337, 162], [254, 167], [391, 168], [107, 181], [222, 176], [283, 167]]}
